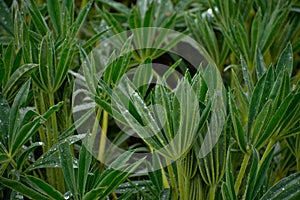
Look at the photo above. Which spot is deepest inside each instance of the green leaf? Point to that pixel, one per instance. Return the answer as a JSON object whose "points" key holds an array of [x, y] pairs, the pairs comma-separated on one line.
{"points": [[260, 96], [286, 60], [186, 107], [17, 75], [66, 160], [23, 189], [50, 158], [24, 156], [261, 122], [229, 189], [247, 76], [94, 193], [111, 21], [26, 131], [46, 62], [50, 191], [4, 158], [255, 30], [64, 64], [117, 6], [55, 15], [149, 16], [288, 106], [260, 65], [4, 125], [286, 189], [38, 19], [257, 174], [237, 125], [85, 159], [143, 76], [81, 18], [271, 26], [6, 21], [14, 112], [93, 40]]}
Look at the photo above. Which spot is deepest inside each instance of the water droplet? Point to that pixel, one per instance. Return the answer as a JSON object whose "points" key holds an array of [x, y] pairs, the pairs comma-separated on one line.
{"points": [[67, 195], [19, 196]]}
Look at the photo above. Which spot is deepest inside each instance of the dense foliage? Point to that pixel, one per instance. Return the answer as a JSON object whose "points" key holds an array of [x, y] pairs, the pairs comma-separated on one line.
{"points": [[227, 128]]}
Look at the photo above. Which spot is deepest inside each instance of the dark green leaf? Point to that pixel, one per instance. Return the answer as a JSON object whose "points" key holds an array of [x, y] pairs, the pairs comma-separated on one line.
{"points": [[45, 187], [85, 159], [285, 61], [55, 15], [6, 21], [286, 189], [23, 189], [66, 160]]}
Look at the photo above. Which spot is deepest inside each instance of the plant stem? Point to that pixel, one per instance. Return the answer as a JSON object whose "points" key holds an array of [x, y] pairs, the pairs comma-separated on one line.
{"points": [[212, 191], [241, 173], [172, 181], [103, 136], [53, 121], [181, 181], [57, 173]]}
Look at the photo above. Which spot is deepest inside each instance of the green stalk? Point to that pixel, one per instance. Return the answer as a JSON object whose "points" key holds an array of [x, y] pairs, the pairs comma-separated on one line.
{"points": [[241, 173], [53, 121], [172, 181], [58, 178], [212, 192], [181, 182], [41, 130], [45, 136], [103, 136]]}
